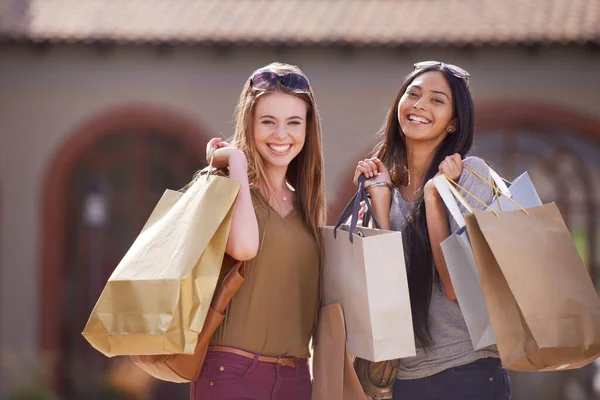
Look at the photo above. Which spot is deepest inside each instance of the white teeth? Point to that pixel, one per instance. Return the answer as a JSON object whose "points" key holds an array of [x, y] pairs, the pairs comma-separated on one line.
{"points": [[280, 148], [418, 119]]}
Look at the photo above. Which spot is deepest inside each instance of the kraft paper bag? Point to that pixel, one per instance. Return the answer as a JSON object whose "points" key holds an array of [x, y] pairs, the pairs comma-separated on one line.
{"points": [[157, 298], [459, 257], [364, 271], [333, 374], [543, 307]]}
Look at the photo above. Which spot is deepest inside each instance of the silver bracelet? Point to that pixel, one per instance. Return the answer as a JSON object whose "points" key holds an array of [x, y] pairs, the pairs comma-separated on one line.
{"points": [[379, 184]]}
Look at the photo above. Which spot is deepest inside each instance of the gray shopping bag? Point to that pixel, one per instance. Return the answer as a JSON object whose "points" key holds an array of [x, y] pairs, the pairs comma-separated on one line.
{"points": [[467, 286]]}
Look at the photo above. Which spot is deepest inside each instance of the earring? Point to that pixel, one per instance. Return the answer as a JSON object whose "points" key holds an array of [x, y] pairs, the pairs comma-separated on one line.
{"points": [[450, 130]]}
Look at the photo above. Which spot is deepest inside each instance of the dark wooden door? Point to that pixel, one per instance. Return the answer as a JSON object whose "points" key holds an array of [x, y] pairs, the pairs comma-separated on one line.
{"points": [[111, 192]]}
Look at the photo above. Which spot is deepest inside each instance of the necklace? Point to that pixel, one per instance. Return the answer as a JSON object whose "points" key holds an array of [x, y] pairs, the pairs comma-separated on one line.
{"points": [[284, 198], [280, 195]]}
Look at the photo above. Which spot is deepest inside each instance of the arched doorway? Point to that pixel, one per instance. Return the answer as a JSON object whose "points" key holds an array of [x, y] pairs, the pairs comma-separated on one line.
{"points": [[99, 189]]}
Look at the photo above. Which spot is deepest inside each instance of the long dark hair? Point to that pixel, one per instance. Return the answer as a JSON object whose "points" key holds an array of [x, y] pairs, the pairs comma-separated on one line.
{"points": [[391, 149]]}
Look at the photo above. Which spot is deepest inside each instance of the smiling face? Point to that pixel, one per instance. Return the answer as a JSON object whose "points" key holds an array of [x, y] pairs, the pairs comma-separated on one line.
{"points": [[425, 108], [279, 126]]}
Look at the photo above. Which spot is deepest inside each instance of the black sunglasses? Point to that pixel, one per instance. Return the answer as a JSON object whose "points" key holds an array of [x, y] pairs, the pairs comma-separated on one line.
{"points": [[455, 70], [266, 80]]}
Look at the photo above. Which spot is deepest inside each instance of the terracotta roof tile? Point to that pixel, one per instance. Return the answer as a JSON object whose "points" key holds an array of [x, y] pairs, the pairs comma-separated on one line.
{"points": [[357, 22]]}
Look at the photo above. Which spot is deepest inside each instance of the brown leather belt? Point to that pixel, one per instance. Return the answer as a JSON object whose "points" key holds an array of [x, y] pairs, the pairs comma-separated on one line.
{"points": [[283, 361]]}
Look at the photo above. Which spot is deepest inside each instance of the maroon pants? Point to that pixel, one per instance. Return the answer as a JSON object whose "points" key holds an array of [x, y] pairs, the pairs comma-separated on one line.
{"points": [[227, 376]]}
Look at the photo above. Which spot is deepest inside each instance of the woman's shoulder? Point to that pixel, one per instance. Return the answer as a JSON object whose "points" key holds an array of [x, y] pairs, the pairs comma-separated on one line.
{"points": [[475, 178], [475, 168], [477, 164]]}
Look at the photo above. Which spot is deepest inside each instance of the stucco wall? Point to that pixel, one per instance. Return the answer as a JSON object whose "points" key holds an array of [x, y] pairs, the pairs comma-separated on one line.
{"points": [[44, 97]]}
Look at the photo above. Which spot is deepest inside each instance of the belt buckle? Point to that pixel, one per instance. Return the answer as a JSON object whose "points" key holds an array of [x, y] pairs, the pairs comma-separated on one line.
{"points": [[287, 362]]}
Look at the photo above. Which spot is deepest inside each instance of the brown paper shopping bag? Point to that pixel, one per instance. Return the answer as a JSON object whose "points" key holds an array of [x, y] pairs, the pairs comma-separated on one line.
{"points": [[543, 307], [333, 374], [157, 298], [459, 255]]}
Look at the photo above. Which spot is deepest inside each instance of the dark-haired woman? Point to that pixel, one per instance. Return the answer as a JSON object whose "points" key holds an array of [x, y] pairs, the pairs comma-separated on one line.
{"points": [[429, 130]]}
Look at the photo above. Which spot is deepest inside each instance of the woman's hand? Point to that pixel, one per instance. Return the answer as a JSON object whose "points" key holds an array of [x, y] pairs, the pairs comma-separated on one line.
{"points": [[221, 155], [452, 167], [227, 157], [213, 145], [374, 170], [361, 212], [381, 195]]}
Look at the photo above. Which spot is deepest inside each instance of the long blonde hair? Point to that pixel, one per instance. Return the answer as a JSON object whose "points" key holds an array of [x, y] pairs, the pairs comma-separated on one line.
{"points": [[305, 172]]}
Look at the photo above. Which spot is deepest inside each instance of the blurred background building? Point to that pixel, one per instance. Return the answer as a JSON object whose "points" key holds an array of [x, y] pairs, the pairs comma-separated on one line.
{"points": [[105, 104]]}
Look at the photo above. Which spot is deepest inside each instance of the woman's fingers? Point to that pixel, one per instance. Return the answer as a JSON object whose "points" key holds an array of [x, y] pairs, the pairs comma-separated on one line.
{"points": [[373, 168], [213, 142], [212, 145], [457, 158], [368, 168], [217, 143], [362, 168], [357, 172], [363, 209], [451, 166]]}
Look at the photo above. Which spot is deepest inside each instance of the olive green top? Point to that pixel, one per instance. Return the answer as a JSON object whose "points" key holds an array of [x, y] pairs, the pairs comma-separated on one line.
{"points": [[274, 311]]}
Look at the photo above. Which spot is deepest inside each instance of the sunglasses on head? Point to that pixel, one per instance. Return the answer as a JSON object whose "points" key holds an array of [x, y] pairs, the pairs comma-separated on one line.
{"points": [[455, 70], [265, 80]]}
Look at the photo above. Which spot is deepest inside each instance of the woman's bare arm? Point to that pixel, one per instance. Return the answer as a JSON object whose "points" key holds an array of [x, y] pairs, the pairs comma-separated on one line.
{"points": [[437, 226], [242, 243]]}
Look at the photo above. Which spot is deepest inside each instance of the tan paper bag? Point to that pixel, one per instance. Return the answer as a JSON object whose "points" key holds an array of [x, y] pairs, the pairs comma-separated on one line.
{"points": [[333, 374], [157, 298], [543, 307]]}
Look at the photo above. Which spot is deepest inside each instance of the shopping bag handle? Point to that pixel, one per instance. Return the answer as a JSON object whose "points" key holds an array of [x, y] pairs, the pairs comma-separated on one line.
{"points": [[446, 191], [207, 171], [353, 208], [210, 170], [447, 188], [499, 190]]}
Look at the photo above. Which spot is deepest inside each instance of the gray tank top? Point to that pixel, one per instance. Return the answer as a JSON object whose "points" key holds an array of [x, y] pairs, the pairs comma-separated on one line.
{"points": [[451, 344]]}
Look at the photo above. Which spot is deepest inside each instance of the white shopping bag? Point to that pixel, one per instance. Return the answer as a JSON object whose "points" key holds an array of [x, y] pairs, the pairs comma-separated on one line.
{"points": [[365, 272]]}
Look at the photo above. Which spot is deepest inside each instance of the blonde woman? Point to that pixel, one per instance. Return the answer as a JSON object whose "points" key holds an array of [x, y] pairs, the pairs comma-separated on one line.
{"points": [[261, 349]]}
